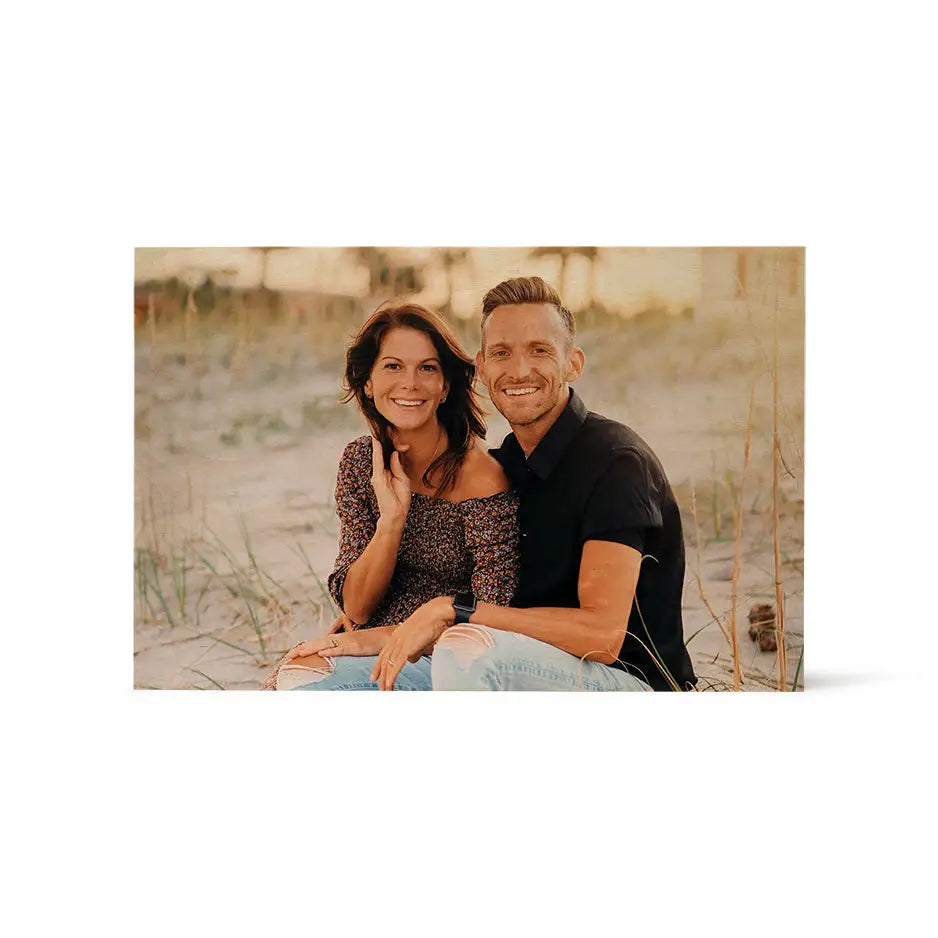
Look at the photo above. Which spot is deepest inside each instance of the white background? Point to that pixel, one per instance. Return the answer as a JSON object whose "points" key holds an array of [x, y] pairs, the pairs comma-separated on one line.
{"points": [[501, 124]]}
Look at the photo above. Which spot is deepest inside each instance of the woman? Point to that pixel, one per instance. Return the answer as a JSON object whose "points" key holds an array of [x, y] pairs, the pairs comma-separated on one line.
{"points": [[425, 511]]}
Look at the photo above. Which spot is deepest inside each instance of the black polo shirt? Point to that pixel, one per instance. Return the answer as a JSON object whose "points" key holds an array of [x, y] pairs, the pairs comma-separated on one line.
{"points": [[593, 479]]}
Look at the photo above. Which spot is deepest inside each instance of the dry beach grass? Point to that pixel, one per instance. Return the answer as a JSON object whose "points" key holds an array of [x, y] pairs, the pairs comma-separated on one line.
{"points": [[238, 433]]}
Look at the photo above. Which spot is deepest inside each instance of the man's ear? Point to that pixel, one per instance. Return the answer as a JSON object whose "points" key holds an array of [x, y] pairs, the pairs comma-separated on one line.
{"points": [[576, 363]]}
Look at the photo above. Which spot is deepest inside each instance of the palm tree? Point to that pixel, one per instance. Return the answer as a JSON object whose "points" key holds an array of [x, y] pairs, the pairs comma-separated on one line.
{"points": [[267, 295], [265, 253], [385, 276], [450, 257], [376, 261], [591, 253]]}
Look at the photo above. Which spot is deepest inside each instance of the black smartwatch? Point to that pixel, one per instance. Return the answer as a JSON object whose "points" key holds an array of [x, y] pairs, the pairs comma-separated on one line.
{"points": [[464, 605]]}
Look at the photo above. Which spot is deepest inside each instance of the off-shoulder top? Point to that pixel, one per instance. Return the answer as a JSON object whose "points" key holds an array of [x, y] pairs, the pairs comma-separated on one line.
{"points": [[446, 546]]}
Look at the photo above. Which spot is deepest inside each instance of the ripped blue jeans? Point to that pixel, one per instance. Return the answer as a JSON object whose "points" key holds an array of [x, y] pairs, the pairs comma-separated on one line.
{"points": [[474, 657]]}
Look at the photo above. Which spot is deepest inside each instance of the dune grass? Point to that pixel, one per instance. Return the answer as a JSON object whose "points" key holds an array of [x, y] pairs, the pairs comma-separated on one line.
{"points": [[737, 544], [196, 591]]}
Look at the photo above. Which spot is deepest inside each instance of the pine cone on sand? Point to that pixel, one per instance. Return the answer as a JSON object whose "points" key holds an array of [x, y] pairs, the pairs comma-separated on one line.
{"points": [[762, 626]]}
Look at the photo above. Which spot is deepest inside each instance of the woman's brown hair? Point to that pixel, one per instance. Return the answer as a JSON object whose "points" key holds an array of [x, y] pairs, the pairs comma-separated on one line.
{"points": [[459, 414]]}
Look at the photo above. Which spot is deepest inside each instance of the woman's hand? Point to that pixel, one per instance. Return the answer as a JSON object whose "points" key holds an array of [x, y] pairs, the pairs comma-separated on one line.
{"points": [[360, 643], [392, 487], [342, 621], [336, 644]]}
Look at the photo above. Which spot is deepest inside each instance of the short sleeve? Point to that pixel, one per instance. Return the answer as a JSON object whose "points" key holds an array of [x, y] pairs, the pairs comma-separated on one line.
{"points": [[491, 530], [625, 502], [353, 506]]}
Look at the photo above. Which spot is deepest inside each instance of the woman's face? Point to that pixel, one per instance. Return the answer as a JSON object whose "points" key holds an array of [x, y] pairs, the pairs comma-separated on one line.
{"points": [[406, 381]]}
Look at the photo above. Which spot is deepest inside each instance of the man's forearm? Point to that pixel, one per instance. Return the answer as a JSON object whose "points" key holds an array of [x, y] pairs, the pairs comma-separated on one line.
{"points": [[580, 632]]}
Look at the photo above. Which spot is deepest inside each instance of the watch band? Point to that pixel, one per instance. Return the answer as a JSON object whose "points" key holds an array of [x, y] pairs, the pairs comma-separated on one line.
{"points": [[464, 605]]}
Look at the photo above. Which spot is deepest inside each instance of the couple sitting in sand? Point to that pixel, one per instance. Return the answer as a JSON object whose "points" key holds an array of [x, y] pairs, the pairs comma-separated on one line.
{"points": [[555, 562]]}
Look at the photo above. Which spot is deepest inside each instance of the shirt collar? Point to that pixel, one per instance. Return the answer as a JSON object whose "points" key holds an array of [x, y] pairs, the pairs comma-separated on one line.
{"points": [[548, 452]]}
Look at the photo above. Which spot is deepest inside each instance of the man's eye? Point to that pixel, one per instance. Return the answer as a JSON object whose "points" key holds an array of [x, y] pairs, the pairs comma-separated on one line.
{"points": [[499, 353]]}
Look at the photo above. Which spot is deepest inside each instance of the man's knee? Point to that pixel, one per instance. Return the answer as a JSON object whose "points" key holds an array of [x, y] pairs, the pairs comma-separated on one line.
{"points": [[463, 659]]}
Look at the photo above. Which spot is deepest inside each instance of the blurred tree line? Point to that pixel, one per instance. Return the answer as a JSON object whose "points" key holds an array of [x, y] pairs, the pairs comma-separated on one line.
{"points": [[388, 276]]}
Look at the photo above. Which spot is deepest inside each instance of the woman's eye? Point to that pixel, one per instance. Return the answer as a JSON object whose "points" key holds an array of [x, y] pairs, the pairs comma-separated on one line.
{"points": [[430, 368], [391, 366]]}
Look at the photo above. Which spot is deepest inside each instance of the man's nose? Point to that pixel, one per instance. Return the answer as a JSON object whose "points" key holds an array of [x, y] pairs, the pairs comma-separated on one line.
{"points": [[519, 368]]}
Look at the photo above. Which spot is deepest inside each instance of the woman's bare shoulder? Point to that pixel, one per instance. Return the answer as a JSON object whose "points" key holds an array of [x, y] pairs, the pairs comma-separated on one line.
{"points": [[481, 475]]}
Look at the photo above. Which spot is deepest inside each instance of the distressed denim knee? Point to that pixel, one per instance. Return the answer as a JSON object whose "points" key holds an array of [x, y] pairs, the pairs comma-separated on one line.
{"points": [[475, 657], [462, 660], [304, 671]]}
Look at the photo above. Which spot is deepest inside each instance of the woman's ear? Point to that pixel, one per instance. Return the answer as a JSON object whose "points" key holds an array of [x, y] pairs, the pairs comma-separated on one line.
{"points": [[369, 392]]}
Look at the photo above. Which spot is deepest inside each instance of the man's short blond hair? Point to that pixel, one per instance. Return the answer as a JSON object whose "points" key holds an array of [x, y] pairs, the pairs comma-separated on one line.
{"points": [[526, 290]]}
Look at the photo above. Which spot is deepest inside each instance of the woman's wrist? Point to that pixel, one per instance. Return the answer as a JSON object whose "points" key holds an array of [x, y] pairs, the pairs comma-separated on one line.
{"points": [[391, 526]]}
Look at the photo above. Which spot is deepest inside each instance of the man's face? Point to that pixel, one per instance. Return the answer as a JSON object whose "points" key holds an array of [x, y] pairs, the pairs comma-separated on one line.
{"points": [[526, 362]]}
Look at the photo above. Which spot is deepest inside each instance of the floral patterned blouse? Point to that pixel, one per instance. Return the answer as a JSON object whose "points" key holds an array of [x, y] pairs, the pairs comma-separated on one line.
{"points": [[446, 546]]}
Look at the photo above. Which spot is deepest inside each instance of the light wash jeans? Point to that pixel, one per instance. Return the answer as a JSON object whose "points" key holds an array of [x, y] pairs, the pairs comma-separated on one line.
{"points": [[474, 657]]}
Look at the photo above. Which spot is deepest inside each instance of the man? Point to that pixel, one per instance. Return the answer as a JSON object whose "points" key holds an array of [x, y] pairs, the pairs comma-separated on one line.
{"points": [[598, 605]]}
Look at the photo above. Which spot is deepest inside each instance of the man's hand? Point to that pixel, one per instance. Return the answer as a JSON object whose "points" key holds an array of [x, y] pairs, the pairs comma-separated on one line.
{"points": [[414, 637]]}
